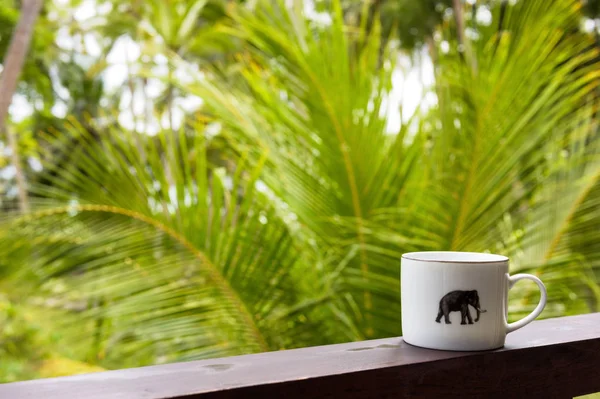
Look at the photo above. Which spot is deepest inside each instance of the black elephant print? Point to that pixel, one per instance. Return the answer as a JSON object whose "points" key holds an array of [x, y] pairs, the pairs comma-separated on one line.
{"points": [[459, 301]]}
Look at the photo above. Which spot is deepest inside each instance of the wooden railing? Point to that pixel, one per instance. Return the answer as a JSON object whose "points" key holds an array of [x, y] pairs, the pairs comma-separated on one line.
{"points": [[554, 358]]}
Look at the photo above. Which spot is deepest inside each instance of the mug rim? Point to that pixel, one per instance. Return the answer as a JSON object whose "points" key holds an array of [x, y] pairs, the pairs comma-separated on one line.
{"points": [[459, 257]]}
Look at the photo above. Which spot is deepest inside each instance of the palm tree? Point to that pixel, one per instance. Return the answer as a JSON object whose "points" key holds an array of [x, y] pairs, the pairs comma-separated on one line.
{"points": [[13, 63], [299, 244], [221, 271], [468, 179]]}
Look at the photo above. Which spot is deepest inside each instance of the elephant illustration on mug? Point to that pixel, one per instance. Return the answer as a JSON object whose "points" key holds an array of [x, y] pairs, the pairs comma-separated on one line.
{"points": [[459, 301]]}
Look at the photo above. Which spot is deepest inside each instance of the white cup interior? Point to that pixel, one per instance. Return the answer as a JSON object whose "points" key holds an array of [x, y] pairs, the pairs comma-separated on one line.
{"points": [[458, 257]]}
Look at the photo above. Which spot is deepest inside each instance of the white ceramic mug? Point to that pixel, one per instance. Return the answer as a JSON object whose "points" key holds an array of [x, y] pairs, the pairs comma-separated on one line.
{"points": [[459, 300]]}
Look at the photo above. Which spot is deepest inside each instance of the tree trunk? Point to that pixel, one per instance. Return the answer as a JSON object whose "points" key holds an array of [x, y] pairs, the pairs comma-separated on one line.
{"points": [[15, 158], [463, 43], [460, 21], [13, 64], [136, 134]]}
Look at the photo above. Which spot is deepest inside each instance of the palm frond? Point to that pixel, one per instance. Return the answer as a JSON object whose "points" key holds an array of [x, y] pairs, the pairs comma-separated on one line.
{"points": [[195, 268], [311, 96]]}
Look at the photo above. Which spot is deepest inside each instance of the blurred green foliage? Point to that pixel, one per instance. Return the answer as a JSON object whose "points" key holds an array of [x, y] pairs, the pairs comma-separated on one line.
{"points": [[212, 178], [20, 346]]}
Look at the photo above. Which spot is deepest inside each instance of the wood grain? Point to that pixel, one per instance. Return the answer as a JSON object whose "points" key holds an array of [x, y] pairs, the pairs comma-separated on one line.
{"points": [[554, 358]]}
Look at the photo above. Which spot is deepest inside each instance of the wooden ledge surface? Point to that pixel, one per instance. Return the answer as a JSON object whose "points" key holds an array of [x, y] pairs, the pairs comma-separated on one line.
{"points": [[548, 358]]}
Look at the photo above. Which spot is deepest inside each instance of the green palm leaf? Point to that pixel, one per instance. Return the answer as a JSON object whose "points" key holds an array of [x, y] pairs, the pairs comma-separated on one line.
{"points": [[312, 97], [201, 268]]}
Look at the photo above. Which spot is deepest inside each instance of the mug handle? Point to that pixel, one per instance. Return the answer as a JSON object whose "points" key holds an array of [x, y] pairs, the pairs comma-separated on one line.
{"points": [[538, 309]]}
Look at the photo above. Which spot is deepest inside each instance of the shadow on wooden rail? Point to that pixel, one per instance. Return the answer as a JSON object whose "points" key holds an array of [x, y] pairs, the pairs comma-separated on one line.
{"points": [[554, 358]]}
